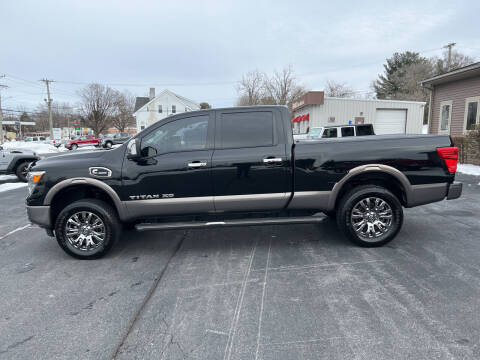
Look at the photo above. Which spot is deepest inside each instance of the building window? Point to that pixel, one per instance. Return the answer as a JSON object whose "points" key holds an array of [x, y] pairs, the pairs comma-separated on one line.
{"points": [[445, 116], [174, 109], [472, 115], [160, 110]]}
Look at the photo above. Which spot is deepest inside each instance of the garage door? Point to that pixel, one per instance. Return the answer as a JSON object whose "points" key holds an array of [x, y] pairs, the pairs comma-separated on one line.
{"points": [[390, 121]]}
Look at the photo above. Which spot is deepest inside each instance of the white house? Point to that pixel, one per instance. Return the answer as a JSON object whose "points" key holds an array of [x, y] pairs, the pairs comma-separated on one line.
{"points": [[149, 110], [386, 116]]}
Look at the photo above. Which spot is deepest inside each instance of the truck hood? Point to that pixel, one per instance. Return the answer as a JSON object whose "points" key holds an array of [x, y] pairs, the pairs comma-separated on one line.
{"points": [[75, 159]]}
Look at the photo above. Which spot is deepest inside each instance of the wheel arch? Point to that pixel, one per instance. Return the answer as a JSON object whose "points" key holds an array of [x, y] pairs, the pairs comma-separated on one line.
{"points": [[14, 164], [375, 174], [74, 189]]}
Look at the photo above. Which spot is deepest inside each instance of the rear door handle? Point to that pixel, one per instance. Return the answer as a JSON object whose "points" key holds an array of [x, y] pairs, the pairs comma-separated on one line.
{"points": [[197, 164], [272, 160]]}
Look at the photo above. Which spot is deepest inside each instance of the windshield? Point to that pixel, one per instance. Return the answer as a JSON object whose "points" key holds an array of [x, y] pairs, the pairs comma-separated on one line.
{"points": [[315, 132]]}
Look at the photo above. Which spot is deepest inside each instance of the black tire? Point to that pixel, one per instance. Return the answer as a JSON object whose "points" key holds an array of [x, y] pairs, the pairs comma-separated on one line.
{"points": [[74, 147], [352, 198], [108, 144], [331, 214], [105, 212], [21, 171]]}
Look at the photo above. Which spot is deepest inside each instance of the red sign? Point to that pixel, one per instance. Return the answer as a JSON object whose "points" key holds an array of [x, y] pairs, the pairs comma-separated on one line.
{"points": [[300, 118]]}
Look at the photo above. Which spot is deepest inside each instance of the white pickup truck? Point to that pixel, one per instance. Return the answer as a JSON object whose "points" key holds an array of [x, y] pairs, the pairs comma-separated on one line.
{"points": [[336, 132]]}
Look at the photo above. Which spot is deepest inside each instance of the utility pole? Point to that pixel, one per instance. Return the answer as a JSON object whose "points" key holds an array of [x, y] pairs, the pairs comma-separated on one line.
{"points": [[449, 46], [48, 100], [1, 111]]}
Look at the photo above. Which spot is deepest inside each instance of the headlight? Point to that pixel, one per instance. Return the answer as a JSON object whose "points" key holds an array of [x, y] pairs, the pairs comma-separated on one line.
{"points": [[33, 179]]}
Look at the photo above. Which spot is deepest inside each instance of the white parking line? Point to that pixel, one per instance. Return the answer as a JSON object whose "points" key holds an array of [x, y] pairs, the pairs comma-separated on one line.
{"points": [[14, 231]]}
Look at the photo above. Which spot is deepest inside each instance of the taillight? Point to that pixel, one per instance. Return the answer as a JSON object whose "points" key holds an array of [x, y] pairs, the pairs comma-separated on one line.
{"points": [[450, 156]]}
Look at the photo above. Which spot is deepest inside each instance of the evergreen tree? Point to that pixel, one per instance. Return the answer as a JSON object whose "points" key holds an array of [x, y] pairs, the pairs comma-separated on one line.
{"points": [[390, 84]]}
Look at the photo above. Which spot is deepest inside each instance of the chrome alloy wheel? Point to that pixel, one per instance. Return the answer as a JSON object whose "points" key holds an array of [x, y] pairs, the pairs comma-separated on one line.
{"points": [[85, 231], [371, 217]]}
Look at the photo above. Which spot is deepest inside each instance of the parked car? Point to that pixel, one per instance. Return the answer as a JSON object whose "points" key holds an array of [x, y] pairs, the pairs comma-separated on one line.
{"points": [[114, 139], [238, 167], [16, 161], [38, 139], [337, 131], [86, 140]]}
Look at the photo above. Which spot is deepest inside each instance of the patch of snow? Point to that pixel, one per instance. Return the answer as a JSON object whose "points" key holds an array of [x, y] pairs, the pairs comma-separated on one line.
{"points": [[12, 186], [39, 148], [469, 169], [7, 177], [425, 129]]}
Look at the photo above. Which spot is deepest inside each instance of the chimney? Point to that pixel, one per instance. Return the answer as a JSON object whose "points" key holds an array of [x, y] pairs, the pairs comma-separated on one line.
{"points": [[152, 93]]}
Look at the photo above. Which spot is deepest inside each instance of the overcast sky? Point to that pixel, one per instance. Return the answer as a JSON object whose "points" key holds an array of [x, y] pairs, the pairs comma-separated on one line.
{"points": [[199, 49]]}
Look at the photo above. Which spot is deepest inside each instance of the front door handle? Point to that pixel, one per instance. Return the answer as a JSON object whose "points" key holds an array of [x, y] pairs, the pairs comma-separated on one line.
{"points": [[272, 160], [197, 164]]}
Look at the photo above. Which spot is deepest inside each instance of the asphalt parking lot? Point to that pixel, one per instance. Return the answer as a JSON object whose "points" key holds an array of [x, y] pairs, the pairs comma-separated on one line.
{"points": [[273, 292]]}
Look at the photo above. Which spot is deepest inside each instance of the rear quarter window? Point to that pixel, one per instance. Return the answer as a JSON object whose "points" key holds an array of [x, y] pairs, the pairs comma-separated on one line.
{"points": [[364, 130]]}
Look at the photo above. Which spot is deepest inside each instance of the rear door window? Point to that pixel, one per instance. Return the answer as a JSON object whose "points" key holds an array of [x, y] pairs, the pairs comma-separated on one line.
{"points": [[246, 129], [348, 131], [330, 133]]}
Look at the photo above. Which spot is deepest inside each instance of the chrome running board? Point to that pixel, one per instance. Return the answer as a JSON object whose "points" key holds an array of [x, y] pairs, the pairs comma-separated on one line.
{"points": [[241, 222]]}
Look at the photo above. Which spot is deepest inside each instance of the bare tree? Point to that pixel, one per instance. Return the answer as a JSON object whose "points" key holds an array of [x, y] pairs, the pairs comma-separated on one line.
{"points": [[98, 104], [123, 116], [282, 87], [251, 88], [338, 90], [458, 60], [409, 80]]}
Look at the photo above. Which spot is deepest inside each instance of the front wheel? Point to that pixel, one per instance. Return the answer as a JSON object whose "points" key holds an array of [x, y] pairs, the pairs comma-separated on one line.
{"points": [[370, 215], [74, 147], [22, 171], [87, 229], [108, 144]]}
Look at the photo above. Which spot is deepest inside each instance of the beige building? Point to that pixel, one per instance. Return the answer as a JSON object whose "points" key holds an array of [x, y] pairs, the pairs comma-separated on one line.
{"points": [[386, 116]]}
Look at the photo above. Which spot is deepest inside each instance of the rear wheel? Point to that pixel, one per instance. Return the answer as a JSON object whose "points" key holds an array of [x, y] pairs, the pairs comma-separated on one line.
{"points": [[87, 229], [370, 215], [22, 171]]}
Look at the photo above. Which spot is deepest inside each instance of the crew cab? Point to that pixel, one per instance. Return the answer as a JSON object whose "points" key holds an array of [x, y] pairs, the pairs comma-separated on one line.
{"points": [[85, 140], [238, 167]]}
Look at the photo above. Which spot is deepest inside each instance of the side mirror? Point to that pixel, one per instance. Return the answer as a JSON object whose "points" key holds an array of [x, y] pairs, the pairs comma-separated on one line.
{"points": [[148, 152], [133, 149]]}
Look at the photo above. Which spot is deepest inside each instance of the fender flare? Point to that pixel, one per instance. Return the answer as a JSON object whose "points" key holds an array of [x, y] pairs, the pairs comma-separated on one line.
{"points": [[87, 181], [18, 160], [362, 169]]}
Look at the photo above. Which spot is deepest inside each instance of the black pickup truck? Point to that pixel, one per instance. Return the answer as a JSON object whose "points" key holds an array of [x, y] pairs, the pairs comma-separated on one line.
{"points": [[237, 167]]}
